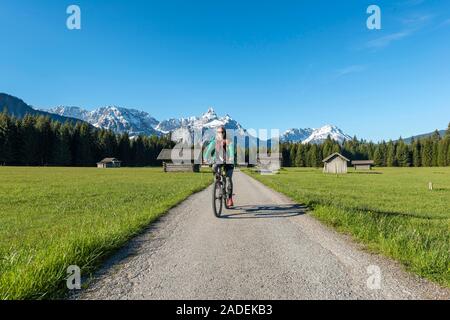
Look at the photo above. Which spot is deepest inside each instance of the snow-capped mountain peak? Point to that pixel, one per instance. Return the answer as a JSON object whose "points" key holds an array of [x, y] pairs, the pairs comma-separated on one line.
{"points": [[168, 125], [296, 135], [137, 122], [209, 115], [315, 135], [206, 123], [115, 118], [321, 134], [73, 112]]}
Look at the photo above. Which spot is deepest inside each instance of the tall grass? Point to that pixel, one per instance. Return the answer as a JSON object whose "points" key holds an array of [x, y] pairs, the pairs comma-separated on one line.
{"points": [[391, 210], [51, 218]]}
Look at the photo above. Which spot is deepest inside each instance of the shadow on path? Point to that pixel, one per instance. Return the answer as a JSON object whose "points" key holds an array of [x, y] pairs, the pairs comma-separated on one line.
{"points": [[264, 211]]}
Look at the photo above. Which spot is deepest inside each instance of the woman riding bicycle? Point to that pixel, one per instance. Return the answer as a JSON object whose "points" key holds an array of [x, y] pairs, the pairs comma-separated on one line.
{"points": [[220, 151]]}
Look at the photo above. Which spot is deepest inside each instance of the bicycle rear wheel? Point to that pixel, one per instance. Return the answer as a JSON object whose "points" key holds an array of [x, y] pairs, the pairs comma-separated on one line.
{"points": [[217, 199], [225, 193]]}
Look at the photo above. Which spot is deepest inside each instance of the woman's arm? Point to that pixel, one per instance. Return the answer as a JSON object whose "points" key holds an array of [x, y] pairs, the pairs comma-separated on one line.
{"points": [[208, 151], [230, 149]]}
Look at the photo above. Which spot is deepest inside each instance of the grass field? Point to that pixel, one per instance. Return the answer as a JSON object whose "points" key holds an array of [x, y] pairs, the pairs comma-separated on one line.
{"points": [[391, 210], [51, 218]]}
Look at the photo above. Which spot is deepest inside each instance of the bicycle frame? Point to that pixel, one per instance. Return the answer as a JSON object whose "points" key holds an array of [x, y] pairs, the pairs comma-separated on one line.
{"points": [[220, 184]]}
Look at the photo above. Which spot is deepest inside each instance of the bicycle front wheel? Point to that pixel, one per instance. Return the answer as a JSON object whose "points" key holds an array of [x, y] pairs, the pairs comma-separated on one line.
{"points": [[217, 197]]}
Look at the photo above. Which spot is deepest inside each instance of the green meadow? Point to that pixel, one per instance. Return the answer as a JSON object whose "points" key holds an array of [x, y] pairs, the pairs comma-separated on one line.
{"points": [[51, 218], [391, 210]]}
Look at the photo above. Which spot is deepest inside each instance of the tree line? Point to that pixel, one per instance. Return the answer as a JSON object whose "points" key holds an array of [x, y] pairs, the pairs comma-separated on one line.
{"points": [[431, 151], [39, 141]]}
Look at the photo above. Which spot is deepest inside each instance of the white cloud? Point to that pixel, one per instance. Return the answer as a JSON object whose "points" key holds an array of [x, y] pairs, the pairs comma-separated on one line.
{"points": [[388, 39], [410, 25], [417, 20], [350, 69], [410, 3]]}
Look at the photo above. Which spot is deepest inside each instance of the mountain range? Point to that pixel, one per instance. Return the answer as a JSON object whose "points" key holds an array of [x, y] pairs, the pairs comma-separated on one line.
{"points": [[319, 135], [18, 108], [114, 118], [137, 122]]}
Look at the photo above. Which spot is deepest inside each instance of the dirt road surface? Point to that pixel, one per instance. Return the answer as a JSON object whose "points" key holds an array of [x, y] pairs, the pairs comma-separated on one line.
{"points": [[265, 248]]}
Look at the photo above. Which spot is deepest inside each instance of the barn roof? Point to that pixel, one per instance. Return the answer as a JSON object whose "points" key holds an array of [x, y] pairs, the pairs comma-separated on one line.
{"points": [[334, 155], [109, 160], [165, 154], [362, 162], [185, 154]]}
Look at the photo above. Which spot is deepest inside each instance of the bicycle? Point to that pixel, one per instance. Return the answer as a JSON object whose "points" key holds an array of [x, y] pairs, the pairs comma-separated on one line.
{"points": [[220, 194]]}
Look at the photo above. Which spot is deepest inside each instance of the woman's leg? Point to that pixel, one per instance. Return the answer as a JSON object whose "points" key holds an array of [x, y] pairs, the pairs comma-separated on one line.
{"points": [[215, 169], [229, 175]]}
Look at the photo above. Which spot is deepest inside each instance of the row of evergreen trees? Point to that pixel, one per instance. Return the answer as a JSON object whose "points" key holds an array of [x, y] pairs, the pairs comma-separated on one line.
{"points": [[37, 140], [426, 152]]}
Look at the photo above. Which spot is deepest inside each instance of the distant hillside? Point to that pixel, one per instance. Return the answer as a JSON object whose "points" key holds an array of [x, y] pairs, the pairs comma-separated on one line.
{"points": [[19, 109], [425, 135]]}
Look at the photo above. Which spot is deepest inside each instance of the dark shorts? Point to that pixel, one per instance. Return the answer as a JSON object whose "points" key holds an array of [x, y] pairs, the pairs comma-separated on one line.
{"points": [[229, 168]]}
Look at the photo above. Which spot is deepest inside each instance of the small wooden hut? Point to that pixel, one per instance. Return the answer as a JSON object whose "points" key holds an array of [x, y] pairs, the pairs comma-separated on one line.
{"points": [[269, 164], [363, 164], [335, 163], [109, 163], [180, 159]]}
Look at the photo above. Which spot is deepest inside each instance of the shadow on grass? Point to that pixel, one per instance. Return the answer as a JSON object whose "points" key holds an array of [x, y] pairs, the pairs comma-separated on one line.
{"points": [[378, 212], [364, 172], [440, 190]]}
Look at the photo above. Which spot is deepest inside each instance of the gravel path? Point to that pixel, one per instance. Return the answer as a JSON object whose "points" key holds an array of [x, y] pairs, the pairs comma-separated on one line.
{"points": [[265, 248]]}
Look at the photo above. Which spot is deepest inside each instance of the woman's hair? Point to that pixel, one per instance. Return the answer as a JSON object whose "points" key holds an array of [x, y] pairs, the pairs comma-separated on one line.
{"points": [[224, 131]]}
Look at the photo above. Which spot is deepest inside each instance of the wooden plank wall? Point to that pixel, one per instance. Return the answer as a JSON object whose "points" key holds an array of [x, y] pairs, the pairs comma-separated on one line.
{"points": [[171, 167]]}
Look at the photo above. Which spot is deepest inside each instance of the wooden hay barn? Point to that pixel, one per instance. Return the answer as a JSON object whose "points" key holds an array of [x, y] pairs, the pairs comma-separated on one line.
{"points": [[109, 163], [180, 159], [269, 163], [335, 163], [363, 164]]}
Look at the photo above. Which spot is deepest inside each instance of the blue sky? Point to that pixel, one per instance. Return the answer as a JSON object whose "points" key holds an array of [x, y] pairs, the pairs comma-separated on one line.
{"points": [[269, 64]]}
